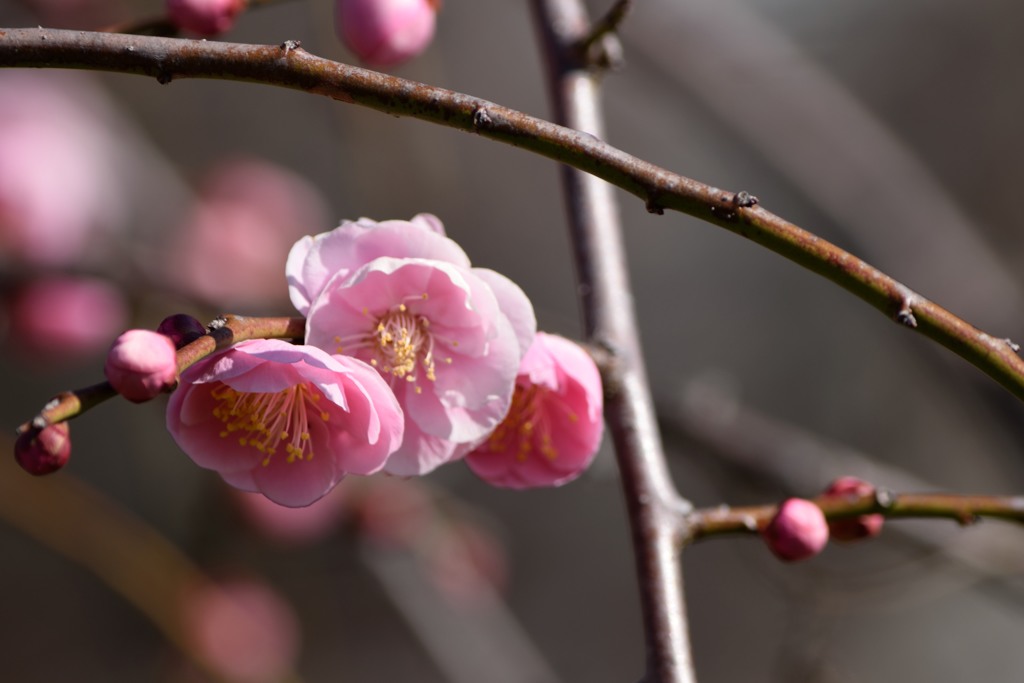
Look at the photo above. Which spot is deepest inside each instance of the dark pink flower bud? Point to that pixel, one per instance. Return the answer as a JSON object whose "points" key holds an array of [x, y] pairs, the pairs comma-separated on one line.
{"points": [[46, 450], [205, 17], [385, 32], [181, 328], [141, 364], [797, 531], [854, 528]]}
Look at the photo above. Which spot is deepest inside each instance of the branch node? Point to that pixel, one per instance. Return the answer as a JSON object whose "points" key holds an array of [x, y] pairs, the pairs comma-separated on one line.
{"points": [[1014, 347], [884, 498], [163, 78], [744, 199], [481, 118], [290, 45], [652, 205], [905, 316]]}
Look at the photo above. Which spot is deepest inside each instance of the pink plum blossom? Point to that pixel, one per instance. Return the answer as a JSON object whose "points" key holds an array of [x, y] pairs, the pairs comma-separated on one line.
{"points": [[141, 364], [385, 32], [242, 629], [553, 429], [797, 531], [229, 248], [46, 450], [448, 338], [205, 17], [287, 421], [65, 317]]}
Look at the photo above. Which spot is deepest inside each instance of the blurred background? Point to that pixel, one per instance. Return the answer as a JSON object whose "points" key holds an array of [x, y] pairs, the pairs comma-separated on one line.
{"points": [[891, 129]]}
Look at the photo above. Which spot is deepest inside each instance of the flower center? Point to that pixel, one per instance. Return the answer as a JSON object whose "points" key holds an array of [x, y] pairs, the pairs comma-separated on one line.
{"points": [[267, 422], [400, 345], [525, 429]]}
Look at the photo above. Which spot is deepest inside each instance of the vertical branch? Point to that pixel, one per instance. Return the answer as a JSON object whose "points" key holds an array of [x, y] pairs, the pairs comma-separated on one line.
{"points": [[652, 503]]}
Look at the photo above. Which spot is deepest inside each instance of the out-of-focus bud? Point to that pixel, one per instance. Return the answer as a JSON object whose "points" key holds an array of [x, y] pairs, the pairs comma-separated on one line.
{"points": [[181, 329], [142, 364], [797, 531], [205, 17], [46, 450], [242, 629], [853, 528], [385, 32], [234, 239], [66, 317]]}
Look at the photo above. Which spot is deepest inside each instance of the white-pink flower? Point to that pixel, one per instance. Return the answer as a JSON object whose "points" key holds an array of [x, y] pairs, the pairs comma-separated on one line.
{"points": [[448, 338], [553, 430], [287, 421]]}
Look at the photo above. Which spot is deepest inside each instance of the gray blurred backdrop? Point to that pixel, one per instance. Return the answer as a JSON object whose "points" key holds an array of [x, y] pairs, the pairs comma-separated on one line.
{"points": [[890, 128]]}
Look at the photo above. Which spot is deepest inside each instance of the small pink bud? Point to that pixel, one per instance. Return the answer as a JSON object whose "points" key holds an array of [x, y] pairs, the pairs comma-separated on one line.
{"points": [[46, 450], [205, 17], [797, 531], [385, 32], [853, 528], [181, 328], [141, 364]]}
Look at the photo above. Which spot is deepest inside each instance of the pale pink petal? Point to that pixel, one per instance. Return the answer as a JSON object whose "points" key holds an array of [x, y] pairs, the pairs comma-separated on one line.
{"points": [[514, 304]]}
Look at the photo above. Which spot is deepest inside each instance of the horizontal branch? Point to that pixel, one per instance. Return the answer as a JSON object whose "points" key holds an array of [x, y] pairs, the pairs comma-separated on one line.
{"points": [[288, 66], [964, 509], [221, 333]]}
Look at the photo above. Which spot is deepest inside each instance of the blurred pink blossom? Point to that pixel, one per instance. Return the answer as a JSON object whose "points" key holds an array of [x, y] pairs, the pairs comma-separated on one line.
{"points": [[66, 317], [287, 421], [231, 245], [385, 32], [448, 338], [205, 17], [60, 190], [798, 530], [242, 629], [141, 364], [467, 563], [553, 429]]}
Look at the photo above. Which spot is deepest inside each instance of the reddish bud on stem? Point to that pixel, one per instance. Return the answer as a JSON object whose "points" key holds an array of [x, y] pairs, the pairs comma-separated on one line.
{"points": [[46, 450], [853, 528]]}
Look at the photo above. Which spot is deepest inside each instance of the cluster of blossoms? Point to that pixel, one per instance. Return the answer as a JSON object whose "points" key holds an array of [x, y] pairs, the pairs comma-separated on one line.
{"points": [[413, 358]]}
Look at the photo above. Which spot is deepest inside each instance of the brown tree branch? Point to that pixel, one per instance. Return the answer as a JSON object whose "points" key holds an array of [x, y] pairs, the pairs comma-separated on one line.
{"points": [[652, 503], [222, 333], [289, 66], [964, 509]]}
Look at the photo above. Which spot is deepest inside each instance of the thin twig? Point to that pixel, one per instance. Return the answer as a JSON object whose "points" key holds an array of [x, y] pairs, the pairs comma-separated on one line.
{"points": [[605, 27], [964, 509], [287, 65], [652, 503], [223, 332]]}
